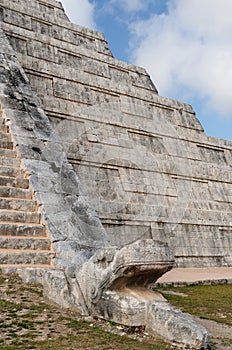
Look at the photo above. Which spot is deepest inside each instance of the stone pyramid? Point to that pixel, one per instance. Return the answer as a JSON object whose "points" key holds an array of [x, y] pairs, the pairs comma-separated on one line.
{"points": [[107, 162]]}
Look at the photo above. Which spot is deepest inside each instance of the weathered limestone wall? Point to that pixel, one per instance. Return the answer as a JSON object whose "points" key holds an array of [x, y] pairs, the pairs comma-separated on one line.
{"points": [[144, 162], [74, 228]]}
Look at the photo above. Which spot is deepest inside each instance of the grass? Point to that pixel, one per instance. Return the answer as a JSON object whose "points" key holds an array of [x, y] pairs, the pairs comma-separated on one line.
{"points": [[227, 342], [28, 321], [209, 302]]}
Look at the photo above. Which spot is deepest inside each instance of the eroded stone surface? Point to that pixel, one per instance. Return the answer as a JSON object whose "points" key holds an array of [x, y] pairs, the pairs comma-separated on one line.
{"points": [[176, 326], [117, 170], [115, 285], [143, 161]]}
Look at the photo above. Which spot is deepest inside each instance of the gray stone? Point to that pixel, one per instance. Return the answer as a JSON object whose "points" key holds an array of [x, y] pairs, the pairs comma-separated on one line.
{"points": [[115, 284], [119, 173], [176, 326]]}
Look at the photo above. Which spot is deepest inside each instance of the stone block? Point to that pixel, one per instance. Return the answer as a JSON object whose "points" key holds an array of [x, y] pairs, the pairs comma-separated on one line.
{"points": [[177, 327], [141, 162]]}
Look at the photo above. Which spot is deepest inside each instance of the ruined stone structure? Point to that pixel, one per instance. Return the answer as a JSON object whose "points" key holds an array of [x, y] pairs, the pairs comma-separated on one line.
{"points": [[100, 175]]}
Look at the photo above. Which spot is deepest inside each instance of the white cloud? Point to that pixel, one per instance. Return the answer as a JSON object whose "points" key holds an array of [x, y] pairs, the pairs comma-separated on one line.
{"points": [[188, 51], [80, 12], [130, 5]]}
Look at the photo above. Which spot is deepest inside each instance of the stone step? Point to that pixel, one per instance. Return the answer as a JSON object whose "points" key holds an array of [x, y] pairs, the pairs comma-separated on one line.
{"points": [[30, 257], [11, 172], [17, 204], [2, 120], [21, 230], [10, 162], [32, 243], [6, 144], [12, 192], [7, 153], [4, 128], [23, 241], [9, 268], [7, 181], [5, 136], [12, 216]]}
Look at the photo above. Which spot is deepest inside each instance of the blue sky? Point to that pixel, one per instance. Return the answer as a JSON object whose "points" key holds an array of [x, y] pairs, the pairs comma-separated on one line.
{"points": [[185, 45]]}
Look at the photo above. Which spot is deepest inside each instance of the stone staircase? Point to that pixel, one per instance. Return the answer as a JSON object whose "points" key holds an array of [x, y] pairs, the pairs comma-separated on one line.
{"points": [[23, 239]]}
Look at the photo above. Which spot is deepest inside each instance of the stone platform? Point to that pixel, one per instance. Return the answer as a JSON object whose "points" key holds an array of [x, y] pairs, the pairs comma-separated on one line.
{"points": [[210, 275]]}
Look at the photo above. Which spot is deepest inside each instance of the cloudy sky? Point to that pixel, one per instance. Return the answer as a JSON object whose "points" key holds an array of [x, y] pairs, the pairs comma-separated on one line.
{"points": [[185, 45]]}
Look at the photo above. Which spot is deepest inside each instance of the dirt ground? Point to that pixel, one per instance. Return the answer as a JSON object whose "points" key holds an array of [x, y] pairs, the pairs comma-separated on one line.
{"points": [[221, 334], [29, 321]]}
